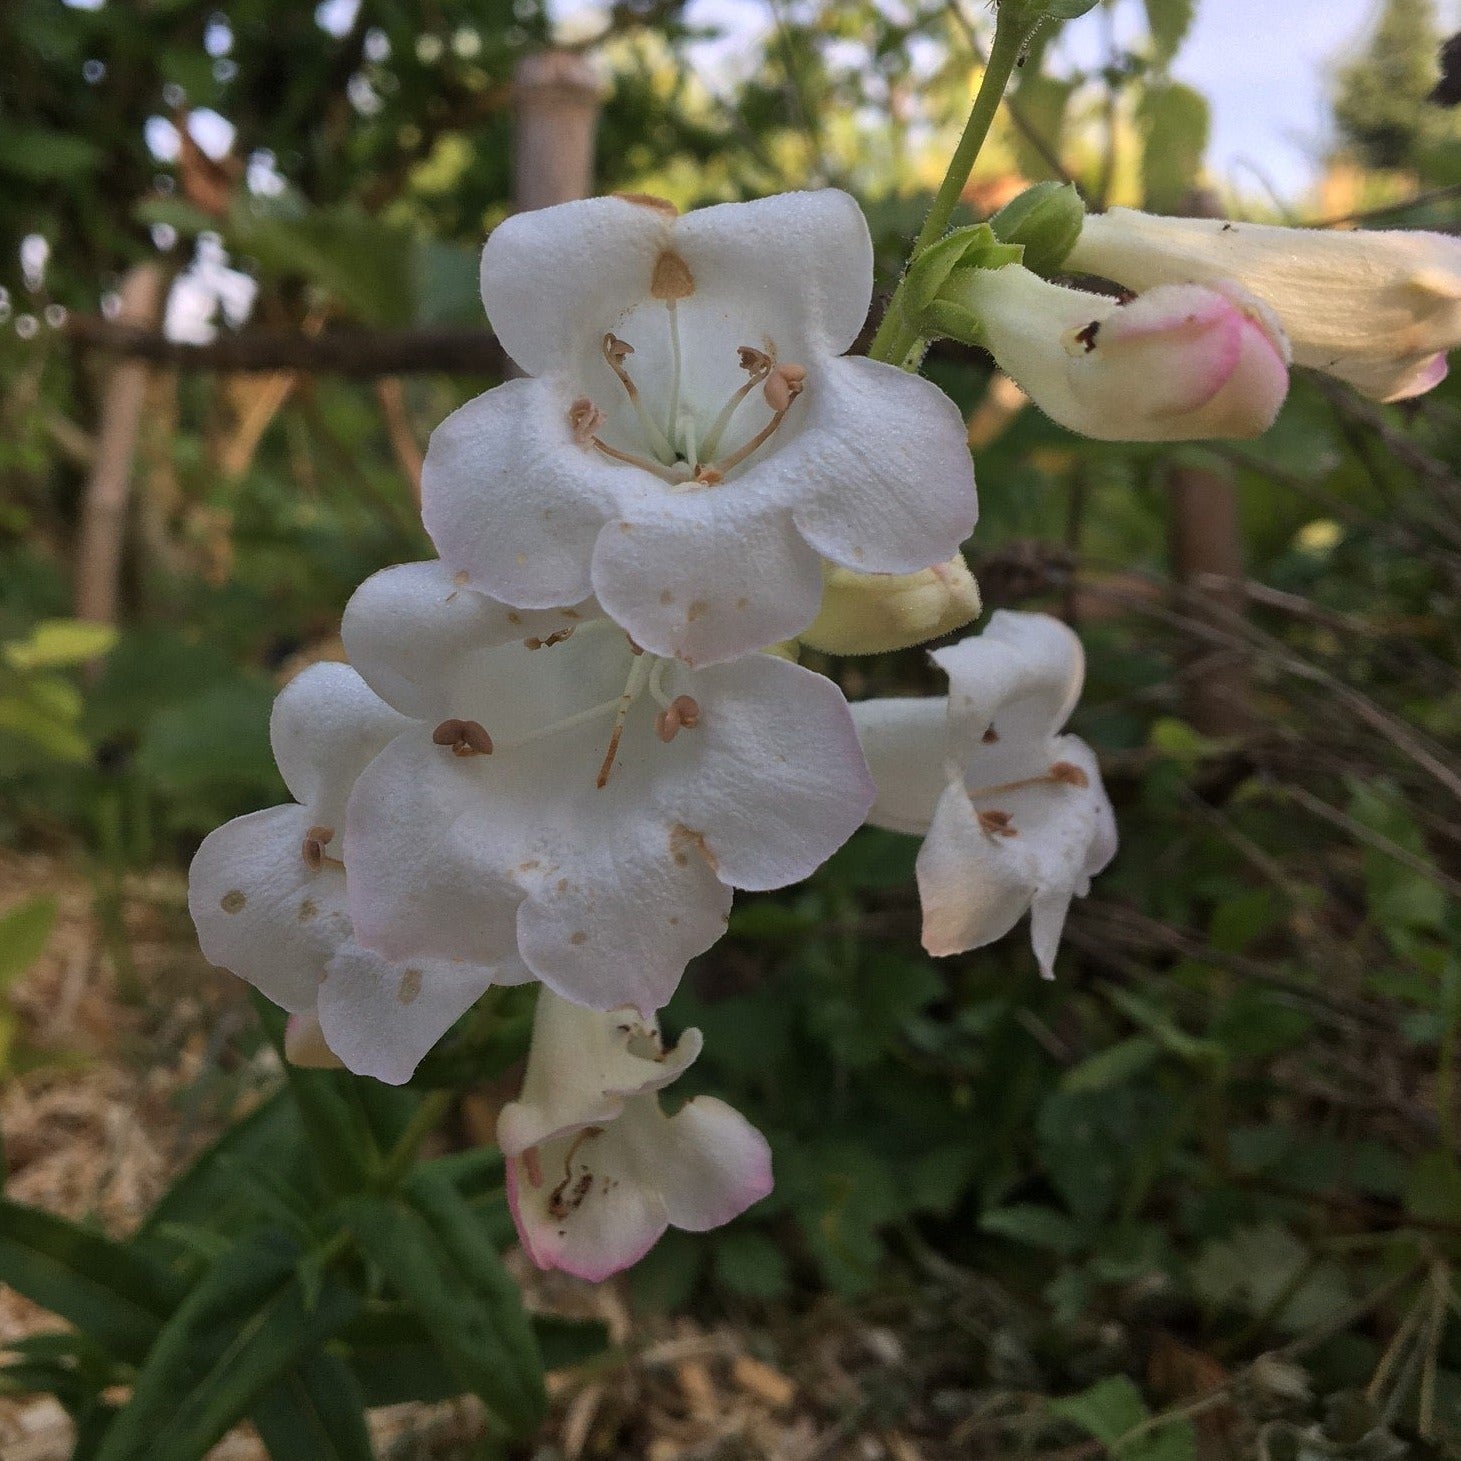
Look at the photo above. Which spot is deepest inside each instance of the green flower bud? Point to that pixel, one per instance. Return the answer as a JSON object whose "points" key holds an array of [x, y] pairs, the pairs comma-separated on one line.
{"points": [[1045, 220]]}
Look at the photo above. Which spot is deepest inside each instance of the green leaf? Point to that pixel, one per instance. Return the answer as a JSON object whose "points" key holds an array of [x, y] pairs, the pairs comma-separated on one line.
{"points": [[1169, 22], [24, 932], [1113, 1066], [1039, 1227], [1174, 121], [1113, 1407], [749, 1263], [241, 1329], [116, 1297], [433, 1251], [55, 643], [1043, 102], [318, 1412], [40, 155]]}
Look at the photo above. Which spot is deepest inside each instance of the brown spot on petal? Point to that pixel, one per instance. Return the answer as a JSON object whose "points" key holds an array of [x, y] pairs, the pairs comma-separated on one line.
{"points": [[461, 578], [529, 865], [410, 989], [696, 610], [233, 901], [743, 603], [514, 617], [648, 200], [990, 737], [1086, 335], [578, 938], [307, 910], [672, 278], [666, 597], [683, 839]]}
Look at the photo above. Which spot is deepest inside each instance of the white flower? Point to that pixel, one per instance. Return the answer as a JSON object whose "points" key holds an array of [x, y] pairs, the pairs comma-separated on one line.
{"points": [[1179, 363], [268, 896], [1015, 814], [562, 797], [690, 445], [875, 613], [595, 1170], [1377, 309]]}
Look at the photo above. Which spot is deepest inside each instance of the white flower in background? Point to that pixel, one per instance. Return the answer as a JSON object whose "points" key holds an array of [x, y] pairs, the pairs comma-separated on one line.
{"points": [[1014, 813], [595, 1169], [875, 613], [204, 288], [1179, 363], [692, 442], [563, 796], [268, 896], [1377, 309]]}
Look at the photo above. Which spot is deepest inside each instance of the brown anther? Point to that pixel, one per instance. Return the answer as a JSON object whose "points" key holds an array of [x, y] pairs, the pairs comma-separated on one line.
{"points": [[463, 738], [783, 386], [635, 649], [313, 847], [1086, 335], [1069, 774], [708, 476], [672, 278], [584, 419], [990, 737], [616, 351], [756, 363], [667, 724], [688, 709], [996, 824]]}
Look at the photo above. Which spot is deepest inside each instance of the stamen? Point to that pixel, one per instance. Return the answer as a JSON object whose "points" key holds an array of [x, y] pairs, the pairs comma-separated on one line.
{"points": [[657, 683], [997, 824], [676, 369], [688, 710], [639, 673], [616, 352], [559, 1205], [313, 848], [556, 637], [1062, 773], [784, 385], [662, 472], [716, 473], [463, 737], [758, 365], [584, 418], [682, 713], [1069, 774]]}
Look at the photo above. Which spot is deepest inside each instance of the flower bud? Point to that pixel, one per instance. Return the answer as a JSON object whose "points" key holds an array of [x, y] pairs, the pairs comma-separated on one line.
{"points": [[874, 613], [1045, 221], [304, 1043]]}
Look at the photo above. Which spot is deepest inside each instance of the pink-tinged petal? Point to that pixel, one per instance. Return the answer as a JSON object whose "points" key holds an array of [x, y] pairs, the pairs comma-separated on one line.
{"points": [[424, 642], [906, 745], [620, 928], [798, 266], [1020, 678], [1389, 379], [259, 909], [512, 501], [714, 1165], [582, 1066], [772, 777], [707, 576], [1365, 306], [305, 1044], [326, 726], [555, 277], [882, 467], [429, 854]]}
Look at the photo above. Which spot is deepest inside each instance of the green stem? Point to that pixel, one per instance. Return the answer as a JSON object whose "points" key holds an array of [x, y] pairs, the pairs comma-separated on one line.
{"points": [[896, 339]]}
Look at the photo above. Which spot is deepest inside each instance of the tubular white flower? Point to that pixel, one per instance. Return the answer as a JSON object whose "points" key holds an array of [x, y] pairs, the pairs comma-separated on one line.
{"points": [[1179, 363], [691, 443], [875, 613], [268, 897], [1377, 309], [1015, 816], [595, 1170], [566, 798]]}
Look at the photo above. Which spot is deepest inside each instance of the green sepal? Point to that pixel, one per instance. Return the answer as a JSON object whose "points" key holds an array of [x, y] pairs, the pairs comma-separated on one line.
{"points": [[1046, 221], [973, 247]]}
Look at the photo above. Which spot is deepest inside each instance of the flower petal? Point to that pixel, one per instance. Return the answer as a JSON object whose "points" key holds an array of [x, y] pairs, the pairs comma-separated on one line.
{"points": [[772, 777], [326, 726], [906, 745], [259, 909], [511, 501], [714, 1164], [885, 482], [707, 577], [381, 1018], [554, 276]]}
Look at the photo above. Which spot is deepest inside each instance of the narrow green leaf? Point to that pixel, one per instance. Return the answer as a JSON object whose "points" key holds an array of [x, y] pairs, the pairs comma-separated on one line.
{"points": [[115, 1296], [24, 932], [1039, 1227], [317, 1412], [59, 642], [243, 1327]]}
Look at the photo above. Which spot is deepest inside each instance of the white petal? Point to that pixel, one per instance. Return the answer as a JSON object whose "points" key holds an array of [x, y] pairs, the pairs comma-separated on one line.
{"points": [[885, 479], [381, 1018], [582, 1066], [798, 266], [421, 640], [259, 910], [714, 1164], [773, 777], [512, 501], [707, 576], [555, 276], [1021, 676], [326, 726], [906, 745]]}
